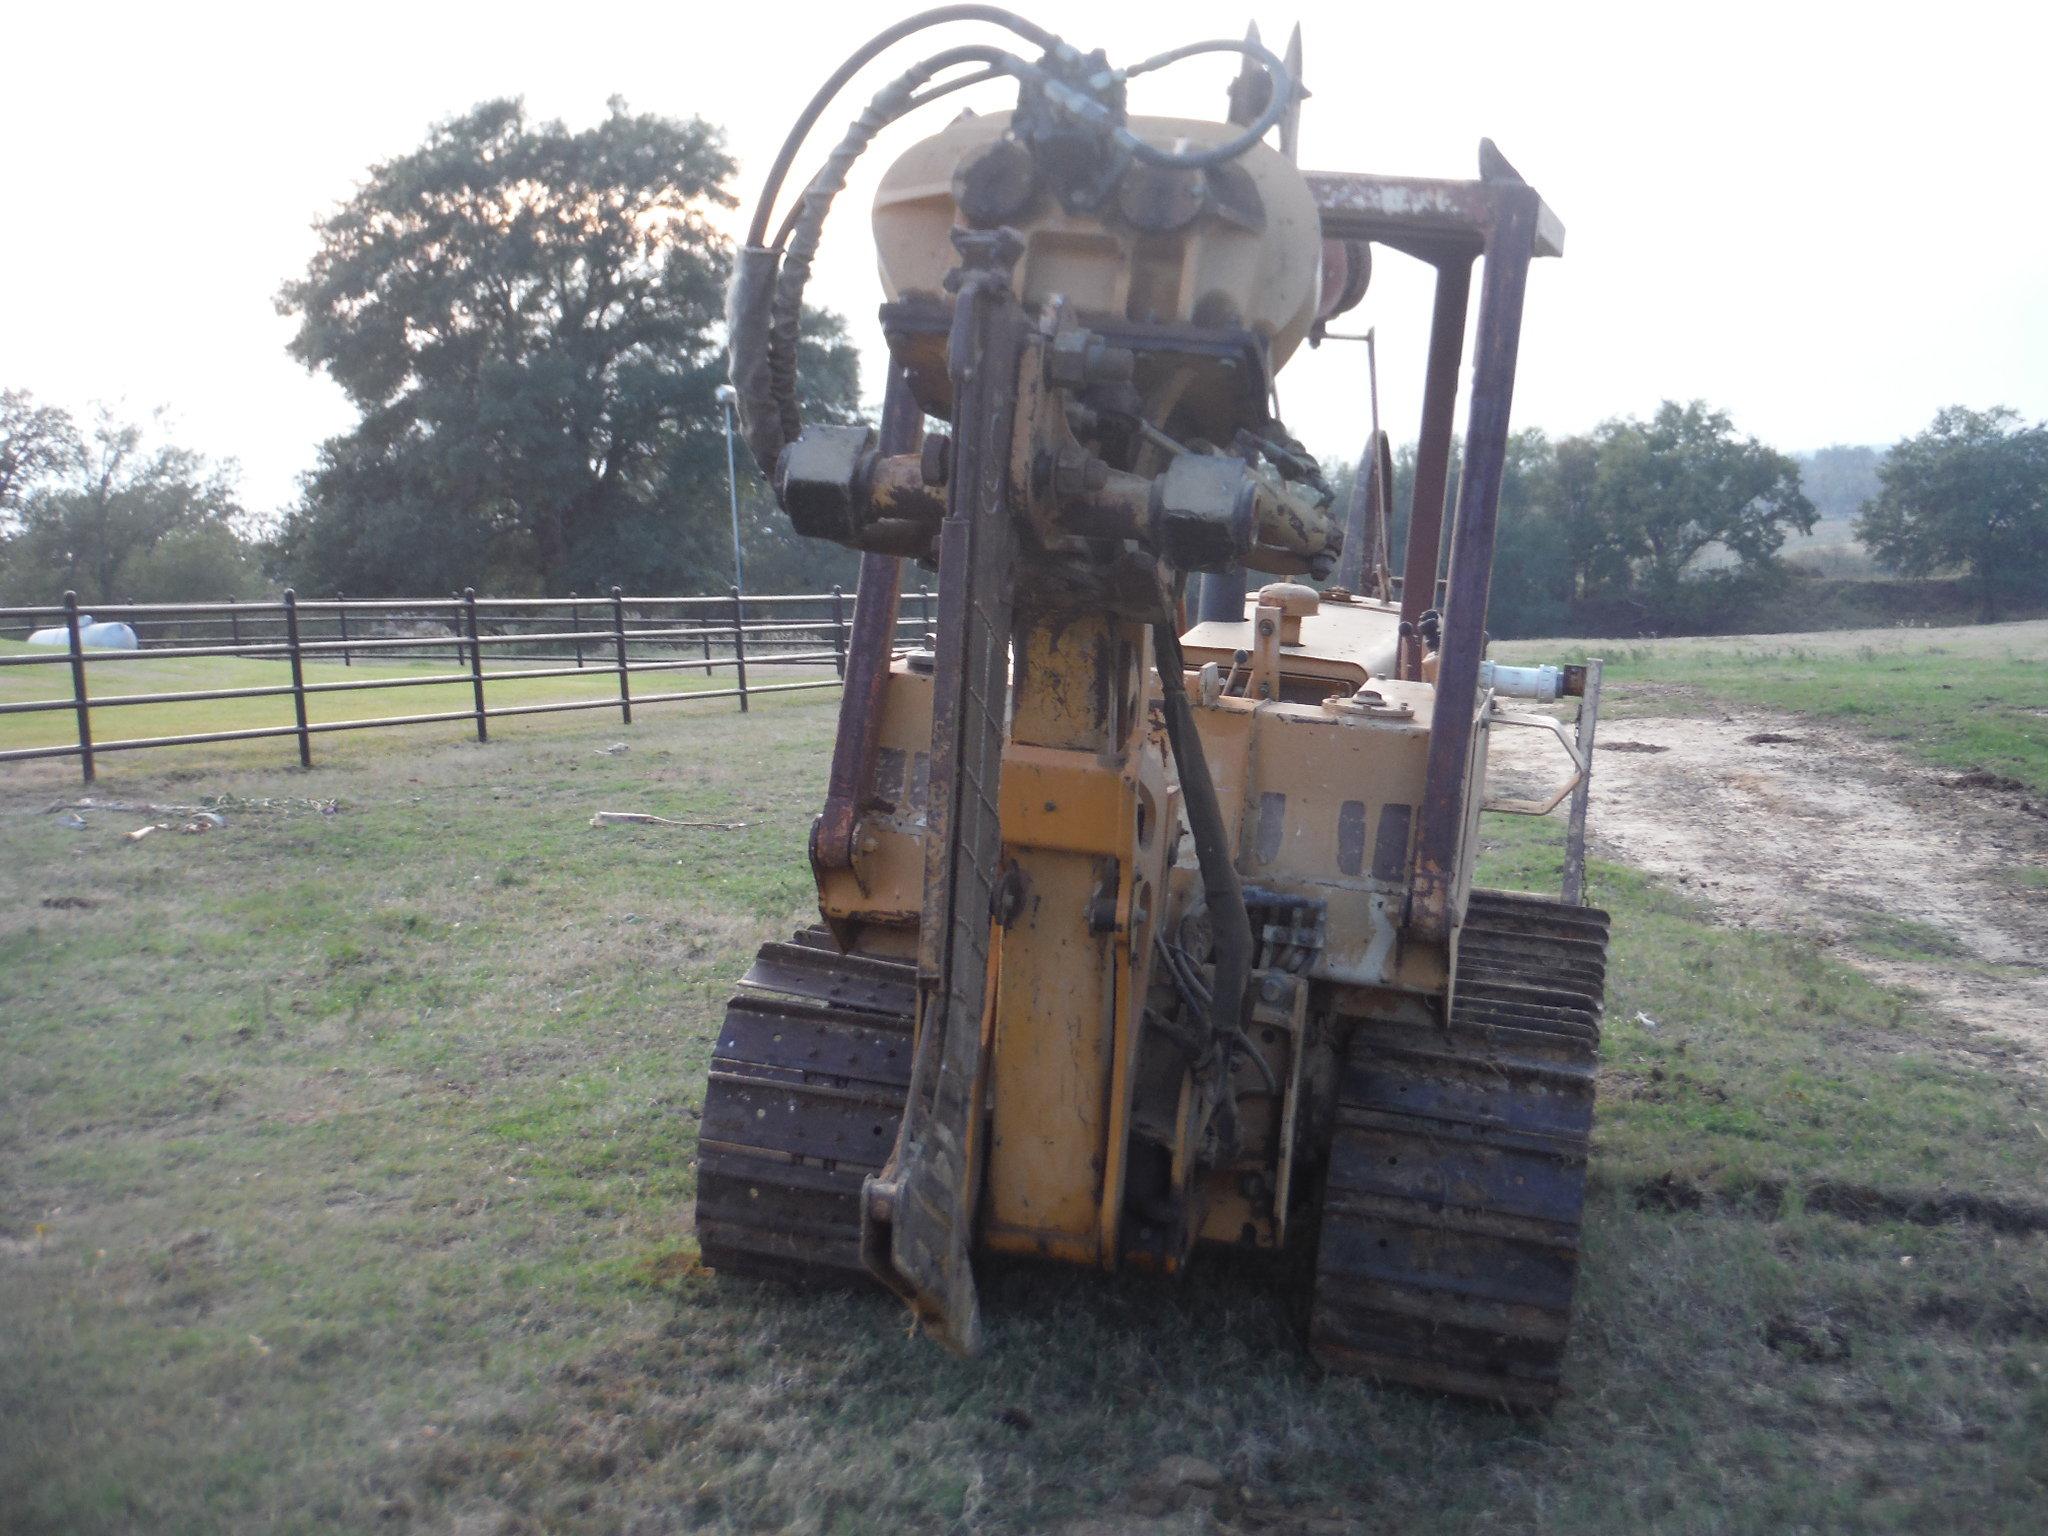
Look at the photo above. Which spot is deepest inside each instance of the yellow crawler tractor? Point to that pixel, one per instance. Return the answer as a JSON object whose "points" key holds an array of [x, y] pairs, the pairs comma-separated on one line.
{"points": [[1147, 929]]}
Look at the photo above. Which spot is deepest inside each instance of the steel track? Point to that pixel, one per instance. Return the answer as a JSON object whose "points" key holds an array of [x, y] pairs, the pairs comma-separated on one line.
{"points": [[1450, 1228], [806, 1091], [1456, 1182]]}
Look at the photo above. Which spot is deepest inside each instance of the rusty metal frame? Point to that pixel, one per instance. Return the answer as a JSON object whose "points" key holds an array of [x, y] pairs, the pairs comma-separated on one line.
{"points": [[1500, 220], [1433, 457]]}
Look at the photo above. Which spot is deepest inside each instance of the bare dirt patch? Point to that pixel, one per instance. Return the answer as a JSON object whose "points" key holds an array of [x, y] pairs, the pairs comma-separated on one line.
{"points": [[1779, 822]]}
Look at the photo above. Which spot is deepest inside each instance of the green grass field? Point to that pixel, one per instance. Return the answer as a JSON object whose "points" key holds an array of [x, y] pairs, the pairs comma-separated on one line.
{"points": [[400, 693], [345, 1184], [1965, 699]]}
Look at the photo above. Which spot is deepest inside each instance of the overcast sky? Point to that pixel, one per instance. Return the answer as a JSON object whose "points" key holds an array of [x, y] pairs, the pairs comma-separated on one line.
{"points": [[1828, 219]]}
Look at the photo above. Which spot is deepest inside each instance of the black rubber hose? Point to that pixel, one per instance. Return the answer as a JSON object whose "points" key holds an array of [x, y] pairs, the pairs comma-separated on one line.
{"points": [[918, 102], [1284, 88], [771, 188], [1230, 926], [764, 307]]}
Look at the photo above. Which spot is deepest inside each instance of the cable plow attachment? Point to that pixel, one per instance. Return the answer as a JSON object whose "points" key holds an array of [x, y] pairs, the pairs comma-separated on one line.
{"points": [[918, 1223]]}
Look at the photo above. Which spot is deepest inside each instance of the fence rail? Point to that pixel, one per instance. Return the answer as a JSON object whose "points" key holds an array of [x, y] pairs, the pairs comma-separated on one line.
{"points": [[615, 637]]}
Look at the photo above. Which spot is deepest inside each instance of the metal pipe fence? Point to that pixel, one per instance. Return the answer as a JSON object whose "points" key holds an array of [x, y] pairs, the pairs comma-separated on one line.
{"points": [[613, 637]]}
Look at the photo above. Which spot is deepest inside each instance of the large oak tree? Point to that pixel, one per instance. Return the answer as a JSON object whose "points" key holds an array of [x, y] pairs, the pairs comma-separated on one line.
{"points": [[1664, 491], [529, 320], [1969, 493]]}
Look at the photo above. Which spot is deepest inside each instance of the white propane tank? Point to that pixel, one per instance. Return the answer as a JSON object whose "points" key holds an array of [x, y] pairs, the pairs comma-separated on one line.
{"points": [[114, 636]]}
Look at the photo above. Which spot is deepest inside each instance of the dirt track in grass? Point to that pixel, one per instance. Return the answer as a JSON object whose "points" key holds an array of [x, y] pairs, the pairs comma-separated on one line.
{"points": [[1931, 880]]}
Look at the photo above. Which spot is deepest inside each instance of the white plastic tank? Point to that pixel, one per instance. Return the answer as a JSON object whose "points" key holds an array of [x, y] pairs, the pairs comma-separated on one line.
{"points": [[114, 636]]}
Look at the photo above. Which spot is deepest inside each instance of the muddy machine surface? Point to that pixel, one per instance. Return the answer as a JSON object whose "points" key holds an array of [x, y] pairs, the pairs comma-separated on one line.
{"points": [[1148, 917]]}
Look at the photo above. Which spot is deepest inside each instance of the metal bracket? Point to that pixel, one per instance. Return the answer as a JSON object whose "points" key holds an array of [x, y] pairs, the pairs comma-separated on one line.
{"points": [[1572, 750], [1578, 746]]}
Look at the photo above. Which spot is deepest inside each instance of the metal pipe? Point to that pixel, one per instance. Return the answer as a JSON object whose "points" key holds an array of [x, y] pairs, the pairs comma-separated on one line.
{"points": [[866, 669], [476, 663], [739, 644], [1230, 925], [619, 650], [1433, 454], [1357, 509], [1221, 596], [291, 629], [726, 396], [77, 660]]}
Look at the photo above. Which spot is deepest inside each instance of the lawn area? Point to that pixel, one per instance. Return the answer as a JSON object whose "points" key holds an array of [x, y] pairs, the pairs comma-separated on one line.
{"points": [[1968, 699], [346, 1170], [110, 674]]}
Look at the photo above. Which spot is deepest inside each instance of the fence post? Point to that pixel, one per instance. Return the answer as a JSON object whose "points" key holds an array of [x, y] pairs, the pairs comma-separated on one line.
{"points": [[576, 626], [78, 685], [704, 634], [341, 618], [1575, 828], [476, 662], [456, 597], [291, 640], [739, 644], [924, 596], [234, 625], [619, 644], [839, 633]]}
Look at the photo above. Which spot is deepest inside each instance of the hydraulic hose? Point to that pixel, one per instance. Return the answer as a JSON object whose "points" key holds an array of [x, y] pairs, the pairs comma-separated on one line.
{"points": [[921, 100], [764, 307], [771, 188], [1284, 87], [1230, 926]]}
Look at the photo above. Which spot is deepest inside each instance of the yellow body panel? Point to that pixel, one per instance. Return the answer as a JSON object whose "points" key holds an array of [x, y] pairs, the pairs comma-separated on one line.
{"points": [[1049, 1081], [1060, 800], [1321, 799], [1082, 826]]}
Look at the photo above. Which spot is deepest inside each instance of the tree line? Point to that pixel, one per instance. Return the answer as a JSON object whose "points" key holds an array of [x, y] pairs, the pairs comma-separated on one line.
{"points": [[110, 510], [528, 321], [1677, 523]]}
